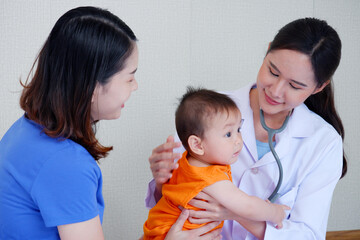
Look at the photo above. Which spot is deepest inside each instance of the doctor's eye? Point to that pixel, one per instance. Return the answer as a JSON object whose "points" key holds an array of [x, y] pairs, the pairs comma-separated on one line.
{"points": [[293, 86], [272, 73]]}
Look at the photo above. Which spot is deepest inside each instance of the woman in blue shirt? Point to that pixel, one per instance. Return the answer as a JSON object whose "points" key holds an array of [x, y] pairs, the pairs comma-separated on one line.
{"points": [[50, 183]]}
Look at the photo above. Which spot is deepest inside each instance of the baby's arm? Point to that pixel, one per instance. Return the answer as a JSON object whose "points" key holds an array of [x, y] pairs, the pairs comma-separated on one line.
{"points": [[243, 205]]}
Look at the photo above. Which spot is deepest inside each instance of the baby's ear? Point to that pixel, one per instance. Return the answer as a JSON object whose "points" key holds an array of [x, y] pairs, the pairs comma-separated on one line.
{"points": [[195, 145]]}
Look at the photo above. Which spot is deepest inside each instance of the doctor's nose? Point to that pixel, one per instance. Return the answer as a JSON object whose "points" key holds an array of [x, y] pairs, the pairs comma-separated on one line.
{"points": [[277, 89]]}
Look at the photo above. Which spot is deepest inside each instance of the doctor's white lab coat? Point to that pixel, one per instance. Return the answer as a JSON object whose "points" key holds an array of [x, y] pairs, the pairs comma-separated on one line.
{"points": [[311, 153]]}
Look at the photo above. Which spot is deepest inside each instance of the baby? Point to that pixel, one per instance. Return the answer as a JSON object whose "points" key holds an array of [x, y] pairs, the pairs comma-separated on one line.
{"points": [[208, 124]]}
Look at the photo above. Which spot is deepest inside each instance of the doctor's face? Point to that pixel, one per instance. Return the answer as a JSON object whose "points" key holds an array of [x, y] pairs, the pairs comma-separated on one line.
{"points": [[285, 80], [109, 99]]}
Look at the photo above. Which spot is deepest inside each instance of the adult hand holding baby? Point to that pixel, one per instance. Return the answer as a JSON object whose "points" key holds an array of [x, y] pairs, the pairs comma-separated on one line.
{"points": [[176, 232]]}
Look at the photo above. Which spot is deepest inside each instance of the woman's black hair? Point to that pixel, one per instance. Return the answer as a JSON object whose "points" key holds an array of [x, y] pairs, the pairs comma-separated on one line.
{"points": [[86, 47], [322, 44]]}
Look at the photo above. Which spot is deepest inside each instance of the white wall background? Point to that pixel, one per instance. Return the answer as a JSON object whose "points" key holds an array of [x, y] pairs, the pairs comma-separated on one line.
{"points": [[216, 44]]}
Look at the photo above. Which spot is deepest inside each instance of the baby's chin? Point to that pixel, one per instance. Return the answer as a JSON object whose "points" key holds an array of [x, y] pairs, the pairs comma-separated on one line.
{"points": [[233, 160]]}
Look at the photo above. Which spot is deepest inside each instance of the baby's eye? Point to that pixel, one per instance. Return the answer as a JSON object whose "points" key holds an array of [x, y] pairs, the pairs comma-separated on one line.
{"points": [[239, 129], [228, 134]]}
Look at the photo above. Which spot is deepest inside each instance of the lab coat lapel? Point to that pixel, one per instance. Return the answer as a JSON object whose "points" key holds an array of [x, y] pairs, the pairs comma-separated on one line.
{"points": [[281, 148], [299, 126]]}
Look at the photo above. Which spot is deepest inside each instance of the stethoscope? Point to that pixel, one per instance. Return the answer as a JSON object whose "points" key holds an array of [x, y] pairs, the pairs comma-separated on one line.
{"points": [[271, 133]]}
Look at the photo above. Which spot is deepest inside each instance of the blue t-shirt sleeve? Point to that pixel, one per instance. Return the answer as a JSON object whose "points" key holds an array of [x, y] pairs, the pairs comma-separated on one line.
{"points": [[66, 187]]}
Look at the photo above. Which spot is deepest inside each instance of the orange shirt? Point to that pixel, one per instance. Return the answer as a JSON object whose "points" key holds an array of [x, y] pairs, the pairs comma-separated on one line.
{"points": [[186, 182]]}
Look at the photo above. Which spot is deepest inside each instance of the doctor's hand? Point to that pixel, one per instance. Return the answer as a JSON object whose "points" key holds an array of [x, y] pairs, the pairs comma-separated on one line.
{"points": [[212, 210], [176, 233], [162, 161]]}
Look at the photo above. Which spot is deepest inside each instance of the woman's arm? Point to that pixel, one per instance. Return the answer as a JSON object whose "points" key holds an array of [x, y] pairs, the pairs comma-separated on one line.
{"points": [[90, 230]]}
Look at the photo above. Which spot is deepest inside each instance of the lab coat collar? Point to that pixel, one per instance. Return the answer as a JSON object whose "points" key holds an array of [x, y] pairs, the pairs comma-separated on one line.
{"points": [[300, 125], [301, 122]]}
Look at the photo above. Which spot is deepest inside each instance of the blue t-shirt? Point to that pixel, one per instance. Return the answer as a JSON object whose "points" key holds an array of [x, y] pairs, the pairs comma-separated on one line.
{"points": [[45, 182]]}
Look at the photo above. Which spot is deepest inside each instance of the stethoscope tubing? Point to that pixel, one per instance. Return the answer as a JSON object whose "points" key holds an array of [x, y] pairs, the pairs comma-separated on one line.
{"points": [[271, 133]]}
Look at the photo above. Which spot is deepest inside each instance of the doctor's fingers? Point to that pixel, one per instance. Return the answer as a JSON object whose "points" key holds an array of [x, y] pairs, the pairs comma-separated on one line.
{"points": [[204, 196], [161, 179], [162, 176], [166, 147], [200, 216], [204, 233], [199, 220], [211, 206], [163, 157], [163, 166]]}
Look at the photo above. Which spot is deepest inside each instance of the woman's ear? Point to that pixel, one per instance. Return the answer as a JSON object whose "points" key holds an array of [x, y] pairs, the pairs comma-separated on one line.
{"points": [[319, 89], [195, 145], [95, 93]]}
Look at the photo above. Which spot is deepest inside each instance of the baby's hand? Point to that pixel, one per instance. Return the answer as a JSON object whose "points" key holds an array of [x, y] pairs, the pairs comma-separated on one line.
{"points": [[279, 214]]}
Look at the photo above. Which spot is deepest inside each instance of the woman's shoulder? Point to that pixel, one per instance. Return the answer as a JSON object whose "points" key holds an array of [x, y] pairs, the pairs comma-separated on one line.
{"points": [[306, 123], [69, 161], [26, 152], [38, 147], [241, 96]]}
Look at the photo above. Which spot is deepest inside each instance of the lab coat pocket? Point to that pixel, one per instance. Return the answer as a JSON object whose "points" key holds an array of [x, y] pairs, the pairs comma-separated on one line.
{"points": [[288, 198]]}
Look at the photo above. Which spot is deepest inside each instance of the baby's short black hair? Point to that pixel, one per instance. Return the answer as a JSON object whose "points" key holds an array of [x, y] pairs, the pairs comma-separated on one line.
{"points": [[197, 106]]}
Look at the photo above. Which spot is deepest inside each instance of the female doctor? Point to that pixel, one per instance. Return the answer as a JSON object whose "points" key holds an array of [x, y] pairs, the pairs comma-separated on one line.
{"points": [[295, 80]]}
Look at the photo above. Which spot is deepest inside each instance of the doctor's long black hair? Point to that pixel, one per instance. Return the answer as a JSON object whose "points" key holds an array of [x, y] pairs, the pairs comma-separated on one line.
{"points": [[322, 44]]}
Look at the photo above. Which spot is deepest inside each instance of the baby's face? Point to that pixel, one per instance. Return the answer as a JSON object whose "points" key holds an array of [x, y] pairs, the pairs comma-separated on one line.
{"points": [[222, 140]]}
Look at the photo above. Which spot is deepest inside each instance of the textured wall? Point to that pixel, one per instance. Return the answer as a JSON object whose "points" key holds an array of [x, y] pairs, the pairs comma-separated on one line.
{"points": [[215, 44]]}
